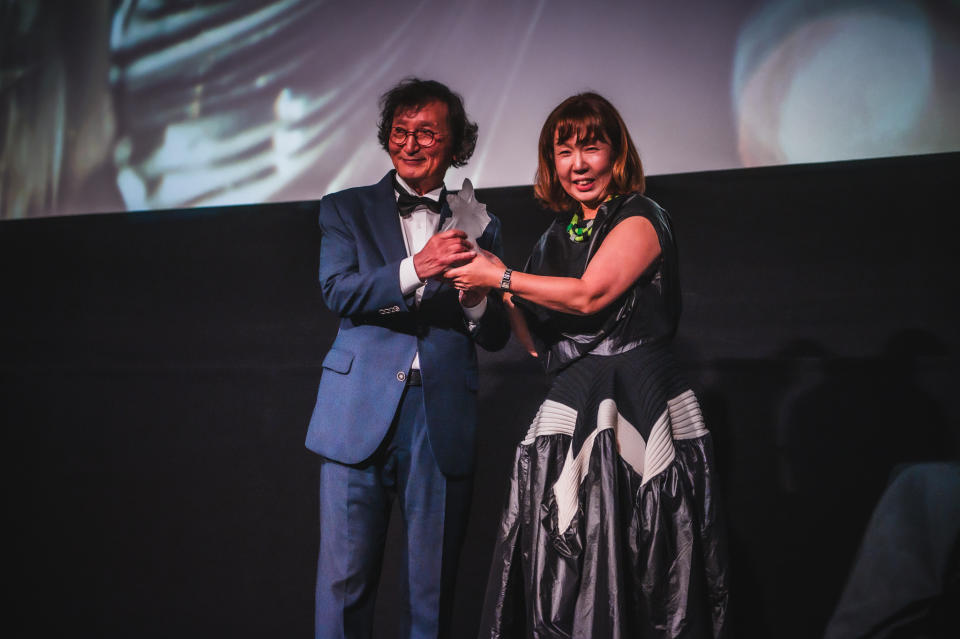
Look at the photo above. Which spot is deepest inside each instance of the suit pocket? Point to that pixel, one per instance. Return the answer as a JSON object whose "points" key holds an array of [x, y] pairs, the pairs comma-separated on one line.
{"points": [[338, 360]]}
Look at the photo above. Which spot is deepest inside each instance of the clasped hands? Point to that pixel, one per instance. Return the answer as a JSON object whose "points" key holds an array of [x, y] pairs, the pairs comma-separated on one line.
{"points": [[450, 256]]}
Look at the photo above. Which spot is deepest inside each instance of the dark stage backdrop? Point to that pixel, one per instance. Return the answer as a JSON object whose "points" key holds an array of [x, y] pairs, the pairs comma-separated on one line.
{"points": [[158, 369]]}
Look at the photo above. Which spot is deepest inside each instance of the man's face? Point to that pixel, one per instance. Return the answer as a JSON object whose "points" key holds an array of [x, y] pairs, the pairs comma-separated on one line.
{"points": [[422, 167]]}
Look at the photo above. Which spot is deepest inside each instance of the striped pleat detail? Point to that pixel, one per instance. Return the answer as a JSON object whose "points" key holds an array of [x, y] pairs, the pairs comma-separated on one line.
{"points": [[552, 418], [686, 420], [681, 419], [660, 450], [630, 443], [568, 483]]}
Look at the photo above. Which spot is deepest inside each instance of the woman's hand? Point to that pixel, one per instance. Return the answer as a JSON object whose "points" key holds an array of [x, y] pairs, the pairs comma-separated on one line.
{"points": [[474, 296], [519, 325], [492, 257], [483, 271]]}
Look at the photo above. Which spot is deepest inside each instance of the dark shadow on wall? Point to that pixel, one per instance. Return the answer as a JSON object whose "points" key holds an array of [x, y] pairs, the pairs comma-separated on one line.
{"points": [[844, 425], [806, 444]]}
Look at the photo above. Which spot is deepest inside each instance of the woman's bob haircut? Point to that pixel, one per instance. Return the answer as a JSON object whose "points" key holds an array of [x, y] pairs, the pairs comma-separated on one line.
{"points": [[586, 117]]}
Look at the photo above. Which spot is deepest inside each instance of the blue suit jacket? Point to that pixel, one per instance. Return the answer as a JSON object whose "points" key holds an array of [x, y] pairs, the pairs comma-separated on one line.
{"points": [[381, 330]]}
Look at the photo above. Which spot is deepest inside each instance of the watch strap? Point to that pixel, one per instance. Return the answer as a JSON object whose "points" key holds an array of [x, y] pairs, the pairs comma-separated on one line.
{"points": [[505, 280]]}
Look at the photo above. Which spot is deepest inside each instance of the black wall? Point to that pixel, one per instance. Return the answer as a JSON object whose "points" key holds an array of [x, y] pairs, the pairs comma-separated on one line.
{"points": [[157, 371]]}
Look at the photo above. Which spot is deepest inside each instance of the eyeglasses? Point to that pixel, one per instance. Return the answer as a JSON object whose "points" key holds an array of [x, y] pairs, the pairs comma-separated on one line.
{"points": [[424, 137]]}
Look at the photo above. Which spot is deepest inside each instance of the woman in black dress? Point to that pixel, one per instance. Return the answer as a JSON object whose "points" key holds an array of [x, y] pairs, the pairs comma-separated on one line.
{"points": [[611, 527]]}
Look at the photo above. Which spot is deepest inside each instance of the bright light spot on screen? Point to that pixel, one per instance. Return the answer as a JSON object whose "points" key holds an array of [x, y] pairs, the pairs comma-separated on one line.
{"points": [[287, 142], [289, 138], [844, 81], [130, 185], [289, 108], [863, 87], [132, 188], [180, 143]]}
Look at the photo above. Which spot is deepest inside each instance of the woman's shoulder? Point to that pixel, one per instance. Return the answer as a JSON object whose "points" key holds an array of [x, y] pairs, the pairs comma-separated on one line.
{"points": [[638, 204]]}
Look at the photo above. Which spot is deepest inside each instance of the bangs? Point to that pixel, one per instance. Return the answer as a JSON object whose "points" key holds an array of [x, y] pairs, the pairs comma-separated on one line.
{"points": [[582, 127]]}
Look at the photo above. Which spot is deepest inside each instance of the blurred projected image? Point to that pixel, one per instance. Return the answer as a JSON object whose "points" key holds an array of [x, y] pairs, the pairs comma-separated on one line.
{"points": [[818, 81], [194, 103], [110, 105]]}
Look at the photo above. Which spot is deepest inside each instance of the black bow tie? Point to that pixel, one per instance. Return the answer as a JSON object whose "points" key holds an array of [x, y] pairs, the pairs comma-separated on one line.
{"points": [[406, 203]]}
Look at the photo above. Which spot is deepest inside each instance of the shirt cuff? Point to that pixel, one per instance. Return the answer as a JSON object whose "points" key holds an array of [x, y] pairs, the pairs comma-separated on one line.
{"points": [[409, 282], [474, 313]]}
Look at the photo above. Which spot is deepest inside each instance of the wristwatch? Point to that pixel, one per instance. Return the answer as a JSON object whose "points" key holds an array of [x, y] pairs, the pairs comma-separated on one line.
{"points": [[505, 280]]}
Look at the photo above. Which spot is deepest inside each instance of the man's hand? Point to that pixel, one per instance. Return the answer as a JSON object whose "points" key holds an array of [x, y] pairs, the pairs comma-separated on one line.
{"points": [[442, 251]]}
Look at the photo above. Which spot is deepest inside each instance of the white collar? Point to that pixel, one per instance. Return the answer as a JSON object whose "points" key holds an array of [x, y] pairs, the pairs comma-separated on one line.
{"points": [[433, 195]]}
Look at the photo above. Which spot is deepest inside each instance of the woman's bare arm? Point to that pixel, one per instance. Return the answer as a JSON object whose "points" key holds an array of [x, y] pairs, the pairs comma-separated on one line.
{"points": [[629, 249], [518, 324]]}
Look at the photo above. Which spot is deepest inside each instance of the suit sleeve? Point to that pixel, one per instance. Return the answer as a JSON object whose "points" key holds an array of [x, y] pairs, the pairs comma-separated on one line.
{"points": [[493, 329], [347, 290]]}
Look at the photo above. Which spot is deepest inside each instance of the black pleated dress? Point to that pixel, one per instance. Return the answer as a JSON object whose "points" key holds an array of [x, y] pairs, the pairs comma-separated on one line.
{"points": [[611, 527]]}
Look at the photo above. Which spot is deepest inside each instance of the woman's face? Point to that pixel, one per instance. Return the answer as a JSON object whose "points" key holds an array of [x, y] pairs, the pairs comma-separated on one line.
{"points": [[584, 169]]}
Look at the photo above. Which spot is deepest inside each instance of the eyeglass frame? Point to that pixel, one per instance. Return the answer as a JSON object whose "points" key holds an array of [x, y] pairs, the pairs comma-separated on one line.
{"points": [[433, 136]]}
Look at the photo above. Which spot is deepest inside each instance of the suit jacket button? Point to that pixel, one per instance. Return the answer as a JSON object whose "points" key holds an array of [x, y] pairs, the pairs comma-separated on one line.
{"points": [[401, 376]]}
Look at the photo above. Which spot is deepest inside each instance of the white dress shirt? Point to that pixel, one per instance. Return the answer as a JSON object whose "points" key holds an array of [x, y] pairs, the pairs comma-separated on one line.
{"points": [[418, 228]]}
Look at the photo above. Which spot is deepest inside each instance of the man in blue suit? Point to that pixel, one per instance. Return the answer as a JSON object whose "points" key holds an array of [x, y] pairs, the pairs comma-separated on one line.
{"points": [[396, 408]]}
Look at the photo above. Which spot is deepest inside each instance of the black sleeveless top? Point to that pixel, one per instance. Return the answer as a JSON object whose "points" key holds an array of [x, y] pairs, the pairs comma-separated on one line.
{"points": [[647, 312]]}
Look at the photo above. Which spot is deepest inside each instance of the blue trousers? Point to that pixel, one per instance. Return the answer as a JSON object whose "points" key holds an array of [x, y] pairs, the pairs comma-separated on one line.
{"points": [[355, 504]]}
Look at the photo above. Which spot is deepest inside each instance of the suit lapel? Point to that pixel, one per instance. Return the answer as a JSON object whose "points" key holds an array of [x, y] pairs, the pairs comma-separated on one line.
{"points": [[386, 230], [445, 211], [385, 222], [434, 285]]}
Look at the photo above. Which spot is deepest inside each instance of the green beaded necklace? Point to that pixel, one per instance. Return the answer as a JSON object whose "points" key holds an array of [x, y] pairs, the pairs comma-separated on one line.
{"points": [[578, 232]]}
